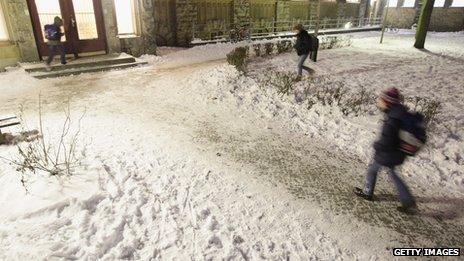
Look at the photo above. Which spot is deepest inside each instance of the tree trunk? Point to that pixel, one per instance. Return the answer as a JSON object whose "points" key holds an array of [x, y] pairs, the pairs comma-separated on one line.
{"points": [[424, 22]]}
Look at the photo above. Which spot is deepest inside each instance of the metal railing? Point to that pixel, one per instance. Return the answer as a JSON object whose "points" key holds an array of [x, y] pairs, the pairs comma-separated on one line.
{"points": [[223, 31]]}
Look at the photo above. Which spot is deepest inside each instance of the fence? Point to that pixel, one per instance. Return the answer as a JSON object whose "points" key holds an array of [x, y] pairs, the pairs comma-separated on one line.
{"points": [[214, 19], [215, 11], [228, 32], [262, 9], [300, 10]]}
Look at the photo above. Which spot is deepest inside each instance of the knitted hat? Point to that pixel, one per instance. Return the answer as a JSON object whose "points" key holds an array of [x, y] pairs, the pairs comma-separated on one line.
{"points": [[391, 96]]}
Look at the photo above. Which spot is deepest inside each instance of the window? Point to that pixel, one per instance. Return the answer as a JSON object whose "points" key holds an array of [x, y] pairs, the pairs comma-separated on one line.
{"points": [[3, 29], [392, 3], [439, 3], [125, 17], [47, 10], [410, 3], [85, 19], [457, 3]]}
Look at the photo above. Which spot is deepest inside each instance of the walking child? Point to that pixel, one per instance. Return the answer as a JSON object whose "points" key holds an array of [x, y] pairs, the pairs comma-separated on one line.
{"points": [[302, 47], [388, 150], [53, 34]]}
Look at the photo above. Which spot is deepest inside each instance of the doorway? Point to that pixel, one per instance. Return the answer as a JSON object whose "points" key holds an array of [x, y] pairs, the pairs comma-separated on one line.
{"points": [[83, 24]]}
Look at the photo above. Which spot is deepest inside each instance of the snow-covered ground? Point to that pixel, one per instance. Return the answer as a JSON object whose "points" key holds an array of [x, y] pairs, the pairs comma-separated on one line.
{"points": [[187, 159]]}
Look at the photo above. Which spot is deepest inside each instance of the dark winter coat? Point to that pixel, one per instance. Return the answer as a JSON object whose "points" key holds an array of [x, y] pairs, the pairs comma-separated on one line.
{"points": [[57, 24], [387, 151], [303, 43], [56, 41]]}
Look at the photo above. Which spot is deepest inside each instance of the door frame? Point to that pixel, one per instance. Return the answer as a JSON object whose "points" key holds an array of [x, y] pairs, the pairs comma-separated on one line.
{"points": [[72, 40]]}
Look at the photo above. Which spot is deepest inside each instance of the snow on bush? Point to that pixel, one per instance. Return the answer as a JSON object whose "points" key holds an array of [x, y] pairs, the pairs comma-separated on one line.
{"points": [[53, 155], [325, 108], [238, 58]]}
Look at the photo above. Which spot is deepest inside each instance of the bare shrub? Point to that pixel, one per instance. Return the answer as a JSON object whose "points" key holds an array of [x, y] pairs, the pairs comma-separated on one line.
{"points": [[358, 102], [257, 50], [238, 58], [42, 154], [282, 81], [328, 92], [426, 106], [268, 48], [281, 47], [331, 42]]}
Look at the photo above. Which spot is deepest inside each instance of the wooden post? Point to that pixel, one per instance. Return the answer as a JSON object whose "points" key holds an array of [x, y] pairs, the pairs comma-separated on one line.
{"points": [[424, 22], [384, 21]]}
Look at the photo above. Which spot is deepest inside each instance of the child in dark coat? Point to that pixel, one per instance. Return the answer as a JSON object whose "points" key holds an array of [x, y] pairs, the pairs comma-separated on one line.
{"points": [[387, 151], [55, 45], [302, 47]]}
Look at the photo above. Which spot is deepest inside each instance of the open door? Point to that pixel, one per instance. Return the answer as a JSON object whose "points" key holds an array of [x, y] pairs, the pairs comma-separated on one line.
{"points": [[83, 24]]}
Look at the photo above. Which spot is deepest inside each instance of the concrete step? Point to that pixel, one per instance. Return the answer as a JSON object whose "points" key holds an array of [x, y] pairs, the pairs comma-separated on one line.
{"points": [[102, 60], [79, 70]]}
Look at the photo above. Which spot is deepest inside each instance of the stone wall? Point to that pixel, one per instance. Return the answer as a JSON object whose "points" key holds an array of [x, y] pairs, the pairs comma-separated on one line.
{"points": [[363, 8], [447, 19], [21, 46], [9, 55], [186, 14], [400, 17], [242, 13], [145, 40], [111, 28], [283, 10], [443, 19], [352, 10], [165, 22], [329, 10]]}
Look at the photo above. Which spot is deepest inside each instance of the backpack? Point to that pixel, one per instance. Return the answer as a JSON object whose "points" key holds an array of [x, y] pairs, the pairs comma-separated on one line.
{"points": [[412, 133], [314, 46], [52, 32]]}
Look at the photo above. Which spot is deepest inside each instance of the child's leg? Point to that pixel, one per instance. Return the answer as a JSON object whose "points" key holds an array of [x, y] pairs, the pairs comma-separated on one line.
{"points": [[51, 53], [62, 54], [301, 61], [406, 198], [371, 178]]}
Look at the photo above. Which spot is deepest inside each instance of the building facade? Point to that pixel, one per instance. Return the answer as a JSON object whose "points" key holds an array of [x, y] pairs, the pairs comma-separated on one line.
{"points": [[91, 27], [137, 26], [447, 15]]}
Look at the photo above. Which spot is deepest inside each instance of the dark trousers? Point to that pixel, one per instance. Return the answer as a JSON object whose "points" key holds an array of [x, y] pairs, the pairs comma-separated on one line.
{"points": [[52, 49], [403, 191], [302, 58]]}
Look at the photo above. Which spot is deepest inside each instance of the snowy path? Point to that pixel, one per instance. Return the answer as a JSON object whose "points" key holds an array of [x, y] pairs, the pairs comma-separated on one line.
{"points": [[175, 173]]}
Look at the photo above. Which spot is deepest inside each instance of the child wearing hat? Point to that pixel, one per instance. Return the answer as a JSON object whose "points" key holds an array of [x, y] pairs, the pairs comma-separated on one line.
{"points": [[55, 44], [387, 152]]}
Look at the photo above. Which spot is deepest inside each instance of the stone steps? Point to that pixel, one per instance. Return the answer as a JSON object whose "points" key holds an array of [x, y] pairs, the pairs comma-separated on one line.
{"points": [[83, 65], [88, 69]]}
